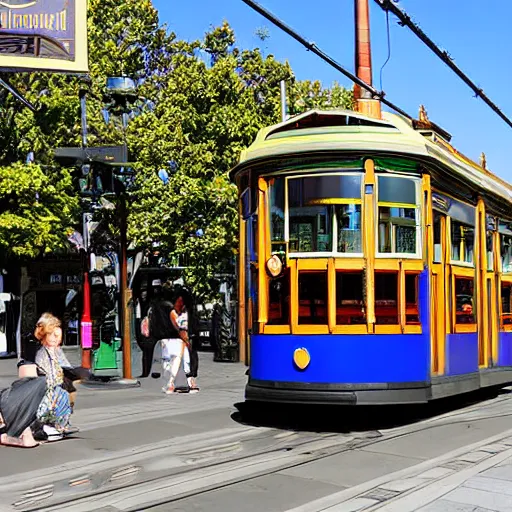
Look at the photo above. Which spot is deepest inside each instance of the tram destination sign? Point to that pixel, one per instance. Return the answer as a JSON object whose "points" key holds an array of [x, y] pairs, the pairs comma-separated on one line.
{"points": [[43, 35]]}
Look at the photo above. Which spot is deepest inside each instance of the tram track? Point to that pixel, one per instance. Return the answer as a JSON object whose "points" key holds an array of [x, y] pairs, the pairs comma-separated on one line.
{"points": [[231, 466]]}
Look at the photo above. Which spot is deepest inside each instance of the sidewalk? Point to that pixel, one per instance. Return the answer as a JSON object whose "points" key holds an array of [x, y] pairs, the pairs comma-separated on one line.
{"points": [[476, 478], [113, 420]]}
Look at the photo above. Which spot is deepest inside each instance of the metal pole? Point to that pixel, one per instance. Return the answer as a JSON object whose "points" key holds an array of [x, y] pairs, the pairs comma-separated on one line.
{"points": [[127, 342], [85, 321], [283, 101], [83, 111]]}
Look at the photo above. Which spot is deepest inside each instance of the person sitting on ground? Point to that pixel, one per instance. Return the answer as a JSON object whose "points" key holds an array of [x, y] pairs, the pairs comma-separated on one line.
{"points": [[55, 409], [19, 405]]}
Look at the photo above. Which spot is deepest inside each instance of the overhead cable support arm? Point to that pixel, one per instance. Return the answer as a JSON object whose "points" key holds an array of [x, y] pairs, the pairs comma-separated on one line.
{"points": [[317, 51], [405, 20]]}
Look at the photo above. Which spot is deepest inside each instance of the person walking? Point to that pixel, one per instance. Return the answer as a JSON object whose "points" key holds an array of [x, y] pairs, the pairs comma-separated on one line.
{"points": [[168, 323]]}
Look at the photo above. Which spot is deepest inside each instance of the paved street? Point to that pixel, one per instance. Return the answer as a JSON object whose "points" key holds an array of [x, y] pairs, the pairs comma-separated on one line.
{"points": [[141, 450]]}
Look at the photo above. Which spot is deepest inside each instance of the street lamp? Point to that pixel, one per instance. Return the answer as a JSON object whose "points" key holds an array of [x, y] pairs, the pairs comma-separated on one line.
{"points": [[120, 97]]}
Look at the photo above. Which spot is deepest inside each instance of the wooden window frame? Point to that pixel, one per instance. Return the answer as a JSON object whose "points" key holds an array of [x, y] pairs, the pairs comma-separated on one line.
{"points": [[334, 267], [508, 280], [401, 267], [468, 273], [500, 258], [341, 201], [418, 181], [460, 263]]}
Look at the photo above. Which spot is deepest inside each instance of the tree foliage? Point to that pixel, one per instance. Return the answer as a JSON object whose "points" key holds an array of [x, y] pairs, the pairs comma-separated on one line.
{"points": [[201, 102]]}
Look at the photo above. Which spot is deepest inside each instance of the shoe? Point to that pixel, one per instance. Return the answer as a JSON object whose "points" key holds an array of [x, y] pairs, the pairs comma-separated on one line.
{"points": [[192, 385], [38, 432], [69, 431], [52, 433], [169, 391]]}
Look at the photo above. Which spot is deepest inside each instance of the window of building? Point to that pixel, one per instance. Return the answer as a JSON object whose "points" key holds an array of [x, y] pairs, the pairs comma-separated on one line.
{"points": [[279, 300], [463, 242], [398, 215], [412, 312], [386, 298], [313, 297], [465, 300], [325, 214], [506, 303], [350, 306]]}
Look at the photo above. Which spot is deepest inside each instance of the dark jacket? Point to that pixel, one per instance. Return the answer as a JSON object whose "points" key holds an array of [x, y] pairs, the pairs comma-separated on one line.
{"points": [[160, 323]]}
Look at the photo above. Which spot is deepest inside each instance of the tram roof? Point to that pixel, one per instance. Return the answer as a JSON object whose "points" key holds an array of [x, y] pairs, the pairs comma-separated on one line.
{"points": [[346, 131]]}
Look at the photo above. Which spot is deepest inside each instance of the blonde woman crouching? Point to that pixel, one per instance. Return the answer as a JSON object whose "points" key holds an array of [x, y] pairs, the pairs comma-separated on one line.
{"points": [[55, 408]]}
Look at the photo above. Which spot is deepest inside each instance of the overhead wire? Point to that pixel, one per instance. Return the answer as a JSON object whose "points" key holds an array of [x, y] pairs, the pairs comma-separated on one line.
{"points": [[389, 48], [312, 47], [405, 20]]}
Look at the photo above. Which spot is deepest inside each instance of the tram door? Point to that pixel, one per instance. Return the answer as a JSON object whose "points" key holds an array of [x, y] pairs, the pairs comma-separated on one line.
{"points": [[439, 294]]}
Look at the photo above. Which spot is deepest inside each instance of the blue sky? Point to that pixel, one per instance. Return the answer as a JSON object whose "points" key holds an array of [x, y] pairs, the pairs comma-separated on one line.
{"points": [[476, 36]]}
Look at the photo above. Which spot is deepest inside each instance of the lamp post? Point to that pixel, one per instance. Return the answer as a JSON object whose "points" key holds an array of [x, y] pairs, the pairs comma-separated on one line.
{"points": [[121, 94]]}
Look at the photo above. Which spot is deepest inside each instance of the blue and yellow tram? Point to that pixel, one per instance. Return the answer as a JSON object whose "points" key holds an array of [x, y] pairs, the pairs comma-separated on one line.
{"points": [[375, 263]]}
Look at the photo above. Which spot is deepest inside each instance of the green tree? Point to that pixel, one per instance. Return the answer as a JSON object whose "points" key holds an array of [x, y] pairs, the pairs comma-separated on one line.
{"points": [[38, 203], [205, 114], [194, 117]]}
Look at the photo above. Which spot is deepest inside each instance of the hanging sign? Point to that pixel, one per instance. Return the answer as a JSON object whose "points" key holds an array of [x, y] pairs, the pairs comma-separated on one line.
{"points": [[43, 35]]}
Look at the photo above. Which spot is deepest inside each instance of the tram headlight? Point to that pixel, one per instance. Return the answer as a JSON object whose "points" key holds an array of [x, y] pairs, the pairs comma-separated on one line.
{"points": [[274, 265]]}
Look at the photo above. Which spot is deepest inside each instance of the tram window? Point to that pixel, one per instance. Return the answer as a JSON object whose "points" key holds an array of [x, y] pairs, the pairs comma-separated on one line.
{"points": [[310, 229], [348, 217], [386, 298], [464, 300], [463, 242], [490, 251], [393, 189], [506, 253], [313, 203], [313, 297], [438, 244], [277, 209], [252, 238], [397, 230], [350, 307], [279, 300], [398, 215], [412, 312], [506, 303]]}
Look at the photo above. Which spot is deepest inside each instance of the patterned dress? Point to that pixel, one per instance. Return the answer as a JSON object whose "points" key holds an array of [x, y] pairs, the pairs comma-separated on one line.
{"points": [[55, 408]]}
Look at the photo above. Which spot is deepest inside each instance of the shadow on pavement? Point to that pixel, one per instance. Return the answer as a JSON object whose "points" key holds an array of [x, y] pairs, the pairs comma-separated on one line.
{"points": [[345, 419]]}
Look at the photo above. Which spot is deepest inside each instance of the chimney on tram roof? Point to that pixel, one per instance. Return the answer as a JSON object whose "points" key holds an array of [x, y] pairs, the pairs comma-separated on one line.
{"points": [[365, 104]]}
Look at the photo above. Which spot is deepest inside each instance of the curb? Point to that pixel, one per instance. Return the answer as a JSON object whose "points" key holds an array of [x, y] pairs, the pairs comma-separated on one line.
{"points": [[111, 384]]}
